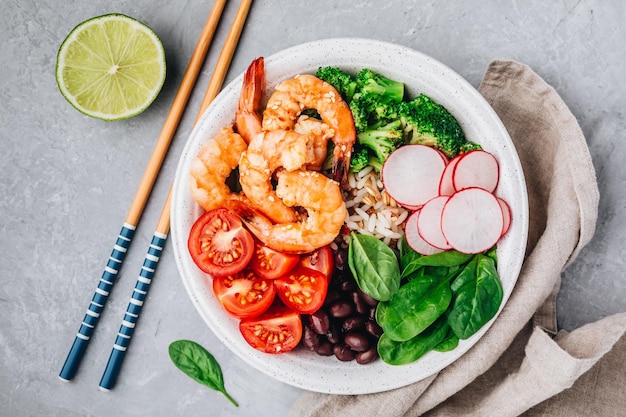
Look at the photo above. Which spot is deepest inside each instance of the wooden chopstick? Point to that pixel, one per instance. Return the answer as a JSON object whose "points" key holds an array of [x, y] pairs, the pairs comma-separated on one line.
{"points": [[125, 236], [159, 238]]}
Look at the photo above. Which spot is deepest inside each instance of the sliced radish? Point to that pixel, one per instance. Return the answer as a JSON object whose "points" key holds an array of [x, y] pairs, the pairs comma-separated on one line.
{"points": [[409, 207], [476, 169], [472, 220], [446, 187], [443, 156], [414, 239], [411, 174], [506, 215], [429, 223]]}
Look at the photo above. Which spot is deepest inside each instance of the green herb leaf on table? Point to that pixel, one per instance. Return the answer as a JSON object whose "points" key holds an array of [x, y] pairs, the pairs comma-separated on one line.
{"points": [[374, 266], [197, 363]]}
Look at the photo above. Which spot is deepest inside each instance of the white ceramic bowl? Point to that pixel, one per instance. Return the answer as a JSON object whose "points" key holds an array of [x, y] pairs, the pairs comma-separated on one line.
{"points": [[421, 74]]}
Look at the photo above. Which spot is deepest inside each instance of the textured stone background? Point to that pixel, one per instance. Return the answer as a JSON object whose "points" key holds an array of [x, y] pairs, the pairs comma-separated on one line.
{"points": [[67, 180]]}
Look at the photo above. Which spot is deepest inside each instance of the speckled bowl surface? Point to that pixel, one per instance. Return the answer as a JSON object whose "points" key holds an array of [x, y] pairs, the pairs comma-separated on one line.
{"points": [[421, 74]]}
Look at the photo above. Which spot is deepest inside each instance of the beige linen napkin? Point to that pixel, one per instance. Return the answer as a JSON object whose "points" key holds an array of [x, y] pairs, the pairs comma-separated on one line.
{"points": [[522, 365]]}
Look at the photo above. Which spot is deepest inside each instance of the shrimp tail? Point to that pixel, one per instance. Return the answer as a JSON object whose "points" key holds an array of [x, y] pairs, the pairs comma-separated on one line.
{"points": [[248, 117], [340, 169], [257, 222]]}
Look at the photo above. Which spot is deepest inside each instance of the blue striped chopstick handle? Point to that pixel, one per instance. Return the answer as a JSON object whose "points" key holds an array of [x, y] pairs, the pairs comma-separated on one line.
{"points": [[98, 302], [133, 311]]}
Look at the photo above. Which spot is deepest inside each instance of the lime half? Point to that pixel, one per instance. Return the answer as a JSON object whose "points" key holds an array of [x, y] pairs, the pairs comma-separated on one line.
{"points": [[111, 67]]}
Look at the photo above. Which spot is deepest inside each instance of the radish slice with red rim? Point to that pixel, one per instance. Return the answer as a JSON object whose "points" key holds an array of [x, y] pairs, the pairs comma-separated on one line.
{"points": [[411, 174], [506, 215], [472, 220], [443, 156], [476, 169], [429, 223], [446, 186], [414, 239]]}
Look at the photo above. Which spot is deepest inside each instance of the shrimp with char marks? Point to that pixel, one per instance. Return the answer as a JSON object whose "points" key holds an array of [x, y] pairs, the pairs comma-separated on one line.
{"points": [[306, 91]]}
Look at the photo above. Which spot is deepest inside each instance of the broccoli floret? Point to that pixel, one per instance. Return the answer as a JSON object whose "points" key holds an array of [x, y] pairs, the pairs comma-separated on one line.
{"points": [[360, 107], [344, 83], [359, 160], [374, 162], [428, 123], [382, 140], [370, 109], [371, 82], [375, 100], [469, 146]]}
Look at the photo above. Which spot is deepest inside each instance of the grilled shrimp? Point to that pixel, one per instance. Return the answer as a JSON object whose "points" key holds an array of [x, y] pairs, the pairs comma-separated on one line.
{"points": [[268, 152], [211, 167], [309, 92], [320, 196], [248, 115], [320, 133]]}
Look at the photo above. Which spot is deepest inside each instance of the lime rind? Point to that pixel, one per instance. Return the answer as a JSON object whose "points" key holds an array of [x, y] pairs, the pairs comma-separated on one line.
{"points": [[111, 67]]}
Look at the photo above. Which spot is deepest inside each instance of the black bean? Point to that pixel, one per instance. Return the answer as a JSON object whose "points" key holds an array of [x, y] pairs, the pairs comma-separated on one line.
{"points": [[343, 353], [356, 341], [347, 285], [361, 305], [341, 259], [353, 323], [319, 322], [331, 295], [339, 279], [372, 302], [368, 356], [373, 328], [372, 314], [324, 349], [333, 334], [341, 309], [310, 339]]}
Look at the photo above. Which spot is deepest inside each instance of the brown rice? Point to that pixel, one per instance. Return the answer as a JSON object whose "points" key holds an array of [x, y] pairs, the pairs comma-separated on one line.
{"points": [[371, 210]]}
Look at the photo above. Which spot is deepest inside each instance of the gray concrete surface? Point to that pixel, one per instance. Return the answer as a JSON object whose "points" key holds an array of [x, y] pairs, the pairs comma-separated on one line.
{"points": [[67, 181]]}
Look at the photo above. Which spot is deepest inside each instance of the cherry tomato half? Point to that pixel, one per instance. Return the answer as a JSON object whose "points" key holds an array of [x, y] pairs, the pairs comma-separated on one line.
{"points": [[219, 244], [271, 264], [278, 330], [302, 289], [321, 259], [244, 294]]}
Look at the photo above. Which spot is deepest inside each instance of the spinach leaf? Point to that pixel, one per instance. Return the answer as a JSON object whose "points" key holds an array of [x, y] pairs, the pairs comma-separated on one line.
{"points": [[477, 296], [415, 306], [450, 342], [448, 259], [408, 258], [401, 353], [374, 266], [406, 252], [492, 254], [404, 247], [197, 363]]}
